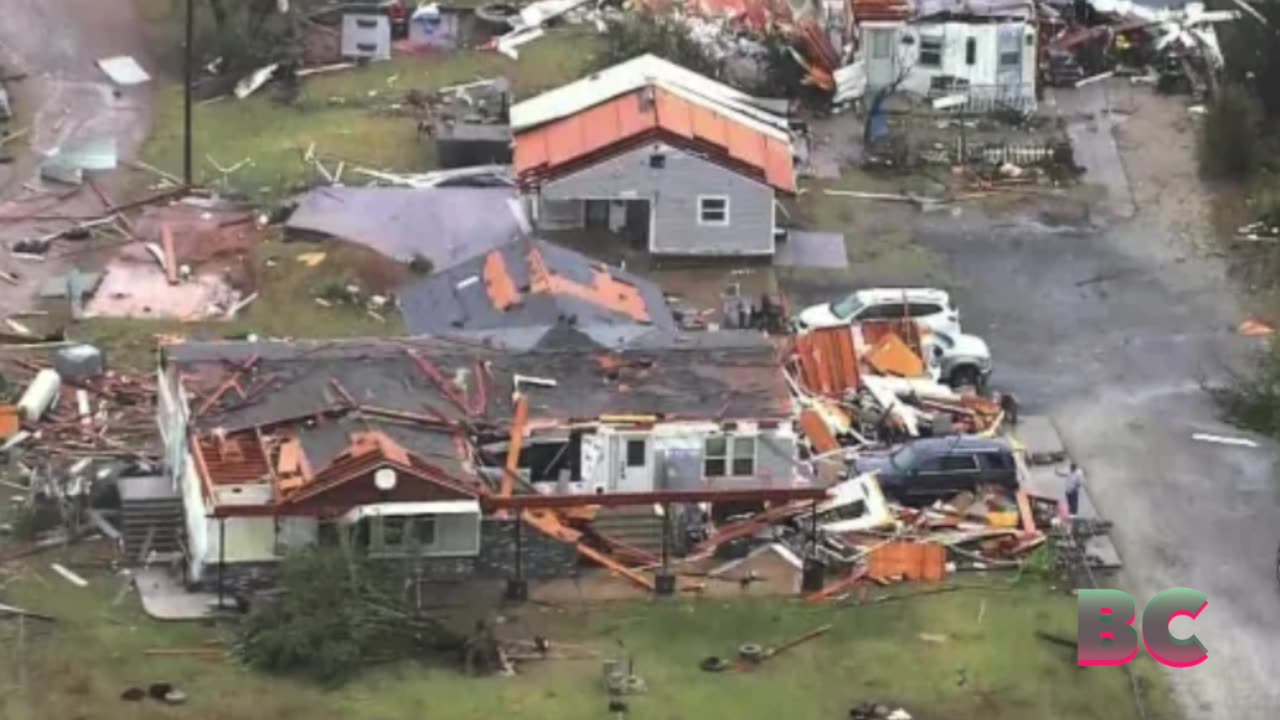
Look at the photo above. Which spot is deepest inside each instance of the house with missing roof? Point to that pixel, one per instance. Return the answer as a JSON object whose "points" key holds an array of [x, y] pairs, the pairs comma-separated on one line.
{"points": [[678, 163], [404, 444], [981, 52], [523, 294]]}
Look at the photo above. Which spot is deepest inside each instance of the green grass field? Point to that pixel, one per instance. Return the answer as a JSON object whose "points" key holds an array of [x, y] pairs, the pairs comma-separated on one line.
{"points": [[988, 669], [346, 115]]}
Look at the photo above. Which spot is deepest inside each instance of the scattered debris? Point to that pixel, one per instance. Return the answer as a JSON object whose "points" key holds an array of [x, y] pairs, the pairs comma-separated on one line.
{"points": [[123, 70], [71, 577], [1223, 440]]}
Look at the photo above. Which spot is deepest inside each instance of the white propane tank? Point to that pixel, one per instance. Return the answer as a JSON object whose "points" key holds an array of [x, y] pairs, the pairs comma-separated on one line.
{"points": [[40, 395]]}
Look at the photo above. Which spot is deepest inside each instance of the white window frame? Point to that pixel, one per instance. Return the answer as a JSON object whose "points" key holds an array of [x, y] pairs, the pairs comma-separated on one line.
{"points": [[713, 223], [730, 446], [942, 47]]}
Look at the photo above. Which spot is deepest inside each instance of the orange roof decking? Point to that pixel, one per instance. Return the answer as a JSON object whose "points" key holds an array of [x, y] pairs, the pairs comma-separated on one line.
{"points": [[545, 149]]}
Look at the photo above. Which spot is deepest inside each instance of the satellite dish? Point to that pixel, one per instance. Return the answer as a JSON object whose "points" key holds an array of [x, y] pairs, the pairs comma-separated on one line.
{"points": [[385, 479]]}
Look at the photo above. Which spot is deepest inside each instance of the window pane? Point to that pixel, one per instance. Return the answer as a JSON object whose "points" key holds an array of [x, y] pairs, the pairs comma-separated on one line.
{"points": [[1008, 59], [970, 51], [881, 44], [744, 456], [713, 467], [930, 52], [932, 464], [424, 531], [713, 209], [636, 455], [716, 446], [959, 462], [392, 531]]}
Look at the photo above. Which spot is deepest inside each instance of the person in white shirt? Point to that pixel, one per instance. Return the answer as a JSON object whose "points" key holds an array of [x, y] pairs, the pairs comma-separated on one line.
{"points": [[1075, 478]]}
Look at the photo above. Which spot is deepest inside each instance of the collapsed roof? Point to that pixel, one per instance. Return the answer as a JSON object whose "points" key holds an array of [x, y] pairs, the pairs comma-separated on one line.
{"points": [[517, 293], [286, 414], [447, 225]]}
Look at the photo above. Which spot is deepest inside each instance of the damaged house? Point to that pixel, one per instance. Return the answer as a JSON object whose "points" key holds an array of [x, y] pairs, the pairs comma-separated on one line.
{"points": [[518, 294], [678, 163], [412, 443], [983, 50]]}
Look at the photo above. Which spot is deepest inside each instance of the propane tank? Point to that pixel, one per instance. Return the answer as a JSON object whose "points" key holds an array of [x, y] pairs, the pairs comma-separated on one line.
{"points": [[40, 395]]}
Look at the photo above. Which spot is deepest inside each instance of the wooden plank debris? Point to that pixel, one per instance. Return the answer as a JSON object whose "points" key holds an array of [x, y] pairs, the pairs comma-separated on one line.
{"points": [[71, 577]]}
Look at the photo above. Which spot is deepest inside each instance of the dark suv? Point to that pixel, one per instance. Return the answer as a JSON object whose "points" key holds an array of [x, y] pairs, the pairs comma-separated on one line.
{"points": [[931, 468]]}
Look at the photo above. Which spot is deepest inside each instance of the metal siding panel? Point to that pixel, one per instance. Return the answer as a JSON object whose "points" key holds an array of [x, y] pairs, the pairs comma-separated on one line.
{"points": [[673, 191], [775, 458], [745, 145], [674, 113], [632, 120], [531, 151], [779, 165], [600, 128], [564, 141], [710, 127]]}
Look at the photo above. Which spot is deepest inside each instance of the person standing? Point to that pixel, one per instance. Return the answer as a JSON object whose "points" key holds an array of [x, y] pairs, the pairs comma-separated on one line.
{"points": [[1074, 479]]}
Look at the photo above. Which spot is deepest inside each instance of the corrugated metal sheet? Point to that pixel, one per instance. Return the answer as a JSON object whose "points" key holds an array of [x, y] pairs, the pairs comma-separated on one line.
{"points": [[543, 150]]}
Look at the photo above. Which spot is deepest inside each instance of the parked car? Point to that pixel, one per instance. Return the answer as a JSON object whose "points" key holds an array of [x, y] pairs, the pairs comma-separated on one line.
{"points": [[928, 469], [929, 306], [959, 360]]}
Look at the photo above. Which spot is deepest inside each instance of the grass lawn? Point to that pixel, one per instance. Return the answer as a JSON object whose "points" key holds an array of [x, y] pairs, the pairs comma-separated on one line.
{"points": [[991, 669], [285, 306], [345, 114]]}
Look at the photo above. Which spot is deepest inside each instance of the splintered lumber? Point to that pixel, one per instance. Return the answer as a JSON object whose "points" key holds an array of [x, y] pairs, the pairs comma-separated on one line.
{"points": [[1024, 512], [9, 610], [748, 527], [514, 445], [551, 525], [170, 254], [839, 587], [816, 632], [71, 577]]}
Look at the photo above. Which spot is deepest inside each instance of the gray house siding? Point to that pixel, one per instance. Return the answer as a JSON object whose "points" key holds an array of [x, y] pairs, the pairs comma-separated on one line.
{"points": [[776, 457], [672, 191]]}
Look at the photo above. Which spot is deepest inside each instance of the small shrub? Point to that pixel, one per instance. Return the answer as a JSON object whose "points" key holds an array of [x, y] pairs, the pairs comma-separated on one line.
{"points": [[421, 264], [1252, 401], [665, 37], [1229, 141]]}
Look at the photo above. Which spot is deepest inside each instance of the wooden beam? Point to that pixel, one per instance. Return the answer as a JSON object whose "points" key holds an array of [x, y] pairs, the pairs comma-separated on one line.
{"points": [[514, 445]]}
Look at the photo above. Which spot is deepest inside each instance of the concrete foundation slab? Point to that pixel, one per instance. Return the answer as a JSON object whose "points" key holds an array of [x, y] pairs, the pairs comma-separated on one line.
{"points": [[812, 250], [164, 598]]}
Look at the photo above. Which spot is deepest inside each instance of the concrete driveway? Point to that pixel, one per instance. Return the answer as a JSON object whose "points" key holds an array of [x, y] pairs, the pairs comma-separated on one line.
{"points": [[1110, 327]]}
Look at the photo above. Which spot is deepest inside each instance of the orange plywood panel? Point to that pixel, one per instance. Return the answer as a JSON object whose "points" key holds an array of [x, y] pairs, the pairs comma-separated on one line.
{"points": [[531, 151], [600, 127], [674, 113], [745, 145], [501, 288], [779, 166], [564, 140], [634, 115], [709, 126]]}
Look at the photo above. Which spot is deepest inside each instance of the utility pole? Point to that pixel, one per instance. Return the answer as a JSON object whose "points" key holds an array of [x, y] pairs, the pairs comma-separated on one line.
{"points": [[187, 72]]}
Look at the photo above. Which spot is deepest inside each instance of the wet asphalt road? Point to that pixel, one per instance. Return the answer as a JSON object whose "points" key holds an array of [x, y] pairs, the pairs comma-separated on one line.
{"points": [[1111, 332]]}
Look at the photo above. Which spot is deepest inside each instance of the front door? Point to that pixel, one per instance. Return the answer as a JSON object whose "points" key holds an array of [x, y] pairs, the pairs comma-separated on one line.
{"points": [[881, 57], [1009, 43], [635, 463]]}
